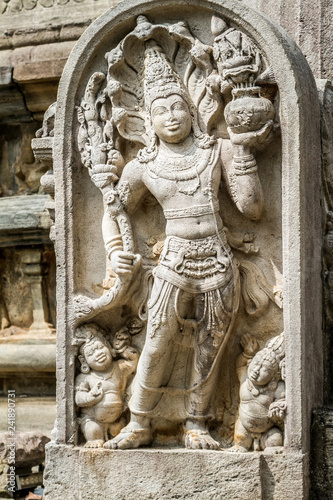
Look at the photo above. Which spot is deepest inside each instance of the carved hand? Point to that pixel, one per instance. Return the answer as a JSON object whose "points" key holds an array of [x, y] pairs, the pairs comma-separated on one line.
{"points": [[96, 392], [124, 262], [249, 344], [252, 139], [277, 410]]}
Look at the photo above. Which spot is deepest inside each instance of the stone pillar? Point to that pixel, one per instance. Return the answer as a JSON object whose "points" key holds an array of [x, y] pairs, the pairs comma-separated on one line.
{"points": [[33, 270]]}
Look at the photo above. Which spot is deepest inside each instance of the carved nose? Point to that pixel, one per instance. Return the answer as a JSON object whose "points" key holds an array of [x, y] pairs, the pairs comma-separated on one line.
{"points": [[171, 116]]}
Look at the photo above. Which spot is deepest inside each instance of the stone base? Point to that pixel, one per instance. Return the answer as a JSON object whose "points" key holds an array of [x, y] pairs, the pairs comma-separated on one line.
{"points": [[78, 473]]}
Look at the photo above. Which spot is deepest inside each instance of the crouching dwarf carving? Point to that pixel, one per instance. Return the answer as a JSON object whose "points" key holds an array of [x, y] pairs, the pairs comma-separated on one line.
{"points": [[262, 396], [100, 388]]}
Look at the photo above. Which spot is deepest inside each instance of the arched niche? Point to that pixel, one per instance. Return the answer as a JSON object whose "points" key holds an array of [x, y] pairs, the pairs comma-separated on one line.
{"points": [[297, 157]]}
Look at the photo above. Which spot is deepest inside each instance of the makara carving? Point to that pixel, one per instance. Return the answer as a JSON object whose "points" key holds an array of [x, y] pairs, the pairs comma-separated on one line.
{"points": [[174, 118]]}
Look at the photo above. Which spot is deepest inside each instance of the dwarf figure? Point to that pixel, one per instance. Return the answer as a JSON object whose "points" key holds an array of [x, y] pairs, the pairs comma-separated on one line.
{"points": [[262, 396], [100, 388]]}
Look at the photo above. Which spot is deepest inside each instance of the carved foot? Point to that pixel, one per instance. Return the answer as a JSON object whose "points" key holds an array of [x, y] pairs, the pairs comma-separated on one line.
{"points": [[196, 439], [98, 443], [237, 449], [273, 450], [130, 438]]}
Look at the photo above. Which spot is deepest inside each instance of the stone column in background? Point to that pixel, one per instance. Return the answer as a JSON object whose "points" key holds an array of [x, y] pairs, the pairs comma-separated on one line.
{"points": [[33, 268]]}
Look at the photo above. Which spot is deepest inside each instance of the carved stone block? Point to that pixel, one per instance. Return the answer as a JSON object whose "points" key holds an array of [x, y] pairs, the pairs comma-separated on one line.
{"points": [[179, 208]]}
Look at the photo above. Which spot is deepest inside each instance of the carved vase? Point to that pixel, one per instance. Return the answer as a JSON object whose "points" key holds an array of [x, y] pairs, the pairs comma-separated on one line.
{"points": [[248, 111]]}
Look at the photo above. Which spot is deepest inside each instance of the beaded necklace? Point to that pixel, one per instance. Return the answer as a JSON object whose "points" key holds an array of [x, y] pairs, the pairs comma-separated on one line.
{"points": [[183, 169]]}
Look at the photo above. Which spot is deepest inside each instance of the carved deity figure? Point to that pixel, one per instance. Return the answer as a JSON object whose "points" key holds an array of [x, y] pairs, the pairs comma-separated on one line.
{"points": [[262, 396], [170, 107], [196, 284], [100, 388]]}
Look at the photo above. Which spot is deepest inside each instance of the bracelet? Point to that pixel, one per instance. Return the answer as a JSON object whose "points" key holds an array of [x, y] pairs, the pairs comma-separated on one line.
{"points": [[114, 249], [113, 244], [246, 356], [241, 159], [244, 165]]}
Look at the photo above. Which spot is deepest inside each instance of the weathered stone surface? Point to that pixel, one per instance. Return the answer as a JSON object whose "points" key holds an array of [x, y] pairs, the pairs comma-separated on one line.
{"points": [[322, 454], [4, 494], [157, 474], [5, 75], [23, 213], [12, 103], [285, 477], [325, 90], [164, 473], [304, 20], [17, 18], [67, 459], [29, 448], [20, 173], [35, 71], [17, 302]]}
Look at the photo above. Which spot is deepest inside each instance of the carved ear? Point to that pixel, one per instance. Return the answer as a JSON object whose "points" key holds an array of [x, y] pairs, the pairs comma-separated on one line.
{"points": [[85, 368]]}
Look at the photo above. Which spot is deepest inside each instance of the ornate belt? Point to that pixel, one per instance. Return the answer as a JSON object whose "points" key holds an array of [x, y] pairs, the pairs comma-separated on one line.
{"points": [[196, 211]]}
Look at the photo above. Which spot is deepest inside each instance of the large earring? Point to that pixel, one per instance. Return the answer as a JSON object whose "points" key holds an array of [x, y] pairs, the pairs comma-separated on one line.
{"points": [[84, 365]]}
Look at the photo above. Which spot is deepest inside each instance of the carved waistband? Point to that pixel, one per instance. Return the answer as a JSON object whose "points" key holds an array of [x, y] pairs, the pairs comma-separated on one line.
{"points": [[198, 248], [196, 265], [196, 211]]}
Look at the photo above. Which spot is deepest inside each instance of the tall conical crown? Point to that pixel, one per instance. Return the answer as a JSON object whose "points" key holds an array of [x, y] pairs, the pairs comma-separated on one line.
{"points": [[160, 78]]}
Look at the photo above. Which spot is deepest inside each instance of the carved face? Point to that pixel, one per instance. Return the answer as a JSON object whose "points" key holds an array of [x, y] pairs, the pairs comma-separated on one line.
{"points": [[261, 371], [98, 355], [122, 339], [171, 119], [115, 56]]}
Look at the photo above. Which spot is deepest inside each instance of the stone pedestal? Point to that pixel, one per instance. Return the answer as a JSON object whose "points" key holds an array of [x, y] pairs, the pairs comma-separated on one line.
{"points": [[173, 473]]}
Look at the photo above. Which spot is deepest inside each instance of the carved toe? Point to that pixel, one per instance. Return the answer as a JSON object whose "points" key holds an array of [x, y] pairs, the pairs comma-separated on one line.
{"points": [[98, 443], [200, 440]]}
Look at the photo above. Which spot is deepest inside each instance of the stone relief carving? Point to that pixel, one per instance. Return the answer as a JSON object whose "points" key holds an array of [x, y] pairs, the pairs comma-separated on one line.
{"points": [[20, 173], [12, 6], [262, 396], [174, 118], [105, 375], [42, 148], [26, 308]]}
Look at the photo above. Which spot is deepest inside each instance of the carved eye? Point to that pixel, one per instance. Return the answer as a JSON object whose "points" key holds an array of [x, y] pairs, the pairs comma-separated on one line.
{"points": [[160, 110], [178, 105], [228, 54]]}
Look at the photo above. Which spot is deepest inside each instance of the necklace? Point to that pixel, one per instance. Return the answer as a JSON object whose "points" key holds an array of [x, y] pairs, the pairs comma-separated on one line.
{"points": [[183, 169]]}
